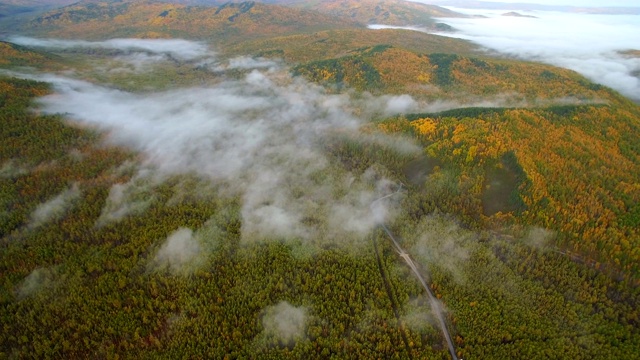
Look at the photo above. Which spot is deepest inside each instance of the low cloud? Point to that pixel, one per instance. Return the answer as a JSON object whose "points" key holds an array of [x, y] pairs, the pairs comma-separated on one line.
{"points": [[37, 280], [176, 48], [136, 62], [538, 237], [588, 44], [563, 5], [382, 27], [245, 63], [400, 104], [179, 253], [440, 242], [418, 315], [55, 208], [284, 323], [263, 136], [362, 210], [11, 169], [126, 199]]}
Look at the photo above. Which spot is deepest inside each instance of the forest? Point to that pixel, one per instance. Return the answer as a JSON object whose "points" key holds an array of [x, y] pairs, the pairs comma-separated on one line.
{"points": [[235, 198]]}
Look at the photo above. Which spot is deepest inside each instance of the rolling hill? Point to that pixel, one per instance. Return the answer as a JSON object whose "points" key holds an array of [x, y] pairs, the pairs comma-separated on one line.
{"points": [[226, 23], [559, 101], [101, 19], [302, 48], [386, 69], [15, 55], [17, 7], [387, 12]]}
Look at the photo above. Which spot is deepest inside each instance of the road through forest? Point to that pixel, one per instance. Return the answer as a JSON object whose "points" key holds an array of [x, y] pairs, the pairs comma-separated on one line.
{"points": [[435, 304]]}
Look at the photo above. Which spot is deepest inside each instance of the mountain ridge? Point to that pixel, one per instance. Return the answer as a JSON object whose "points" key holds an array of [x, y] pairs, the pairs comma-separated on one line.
{"points": [[100, 20], [386, 12]]}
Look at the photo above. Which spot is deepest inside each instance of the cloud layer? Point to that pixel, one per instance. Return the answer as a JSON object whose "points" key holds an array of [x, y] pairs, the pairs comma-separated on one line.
{"points": [[588, 44], [176, 48], [285, 323], [557, 3], [55, 208], [179, 252], [262, 136], [38, 279]]}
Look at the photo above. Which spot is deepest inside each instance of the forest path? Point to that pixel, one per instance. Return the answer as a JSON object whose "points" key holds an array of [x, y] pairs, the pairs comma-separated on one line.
{"points": [[436, 308]]}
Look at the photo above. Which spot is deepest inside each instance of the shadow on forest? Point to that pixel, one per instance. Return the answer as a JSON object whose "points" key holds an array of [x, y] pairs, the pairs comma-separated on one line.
{"points": [[501, 187], [416, 171]]}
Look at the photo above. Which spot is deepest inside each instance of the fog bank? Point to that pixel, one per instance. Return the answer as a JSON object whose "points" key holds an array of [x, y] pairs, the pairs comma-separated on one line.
{"points": [[176, 48], [285, 323], [261, 135], [588, 44]]}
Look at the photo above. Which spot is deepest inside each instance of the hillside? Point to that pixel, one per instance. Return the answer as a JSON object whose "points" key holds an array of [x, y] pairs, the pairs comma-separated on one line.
{"points": [[330, 44], [227, 23], [13, 13], [556, 102], [11, 10], [17, 7], [38, 3], [387, 12], [387, 69], [21, 9], [15, 55]]}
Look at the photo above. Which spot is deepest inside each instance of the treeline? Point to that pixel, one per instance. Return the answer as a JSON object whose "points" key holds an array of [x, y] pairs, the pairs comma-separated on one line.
{"points": [[564, 112]]}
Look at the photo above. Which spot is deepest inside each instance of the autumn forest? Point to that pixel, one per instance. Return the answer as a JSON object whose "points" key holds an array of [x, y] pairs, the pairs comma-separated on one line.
{"points": [[276, 180]]}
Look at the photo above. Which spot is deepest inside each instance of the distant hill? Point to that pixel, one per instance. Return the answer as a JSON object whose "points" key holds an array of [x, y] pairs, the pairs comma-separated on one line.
{"points": [[515, 14], [17, 7], [215, 3], [98, 20], [10, 10], [301, 48], [389, 69], [37, 3], [631, 53], [13, 12], [230, 20], [573, 143], [387, 12]]}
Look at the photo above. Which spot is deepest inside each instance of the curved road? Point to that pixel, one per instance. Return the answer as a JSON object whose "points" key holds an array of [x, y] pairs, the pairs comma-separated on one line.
{"points": [[435, 304]]}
